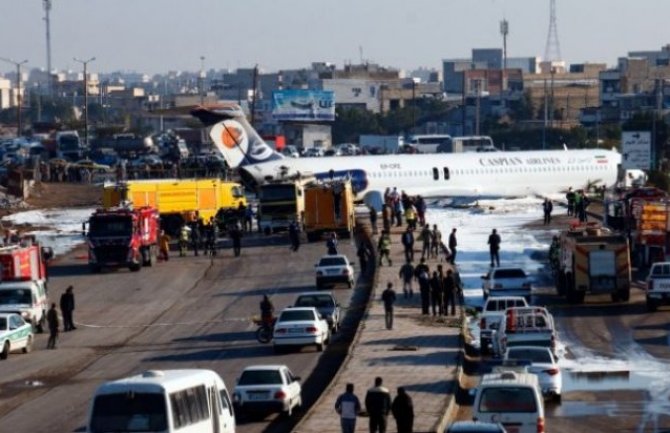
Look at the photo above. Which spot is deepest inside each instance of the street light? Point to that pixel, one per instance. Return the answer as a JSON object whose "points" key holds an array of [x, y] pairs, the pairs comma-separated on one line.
{"points": [[85, 63], [18, 92]]}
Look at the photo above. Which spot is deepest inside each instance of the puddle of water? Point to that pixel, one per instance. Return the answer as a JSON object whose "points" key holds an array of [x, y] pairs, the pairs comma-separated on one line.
{"points": [[607, 380]]}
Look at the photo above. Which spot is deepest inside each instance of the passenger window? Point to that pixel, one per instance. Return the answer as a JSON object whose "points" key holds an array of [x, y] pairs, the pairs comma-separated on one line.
{"points": [[446, 173], [436, 174]]}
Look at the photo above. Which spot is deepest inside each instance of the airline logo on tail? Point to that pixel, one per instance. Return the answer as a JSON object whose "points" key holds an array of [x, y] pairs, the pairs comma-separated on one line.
{"points": [[240, 145]]}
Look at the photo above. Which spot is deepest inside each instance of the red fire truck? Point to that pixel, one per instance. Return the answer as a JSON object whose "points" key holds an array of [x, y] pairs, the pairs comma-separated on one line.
{"points": [[123, 236]]}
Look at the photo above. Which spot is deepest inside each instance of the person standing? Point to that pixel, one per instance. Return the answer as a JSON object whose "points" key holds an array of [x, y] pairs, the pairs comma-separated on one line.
{"points": [[184, 234], [331, 244], [387, 214], [195, 237], [378, 406], [348, 406], [547, 207], [67, 309], [494, 248], [384, 247], [422, 273], [450, 288], [453, 243], [406, 274], [435, 241], [236, 236], [52, 321], [373, 219], [363, 253], [410, 216], [397, 210], [420, 205], [570, 197], [425, 237], [403, 411], [294, 236], [436, 293], [163, 249], [407, 239], [388, 297]]}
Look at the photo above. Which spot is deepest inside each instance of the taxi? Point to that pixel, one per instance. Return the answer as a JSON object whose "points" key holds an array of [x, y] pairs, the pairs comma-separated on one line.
{"points": [[15, 334]]}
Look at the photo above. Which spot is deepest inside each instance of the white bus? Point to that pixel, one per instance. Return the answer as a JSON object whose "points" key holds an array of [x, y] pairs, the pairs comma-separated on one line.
{"points": [[184, 401], [428, 143]]}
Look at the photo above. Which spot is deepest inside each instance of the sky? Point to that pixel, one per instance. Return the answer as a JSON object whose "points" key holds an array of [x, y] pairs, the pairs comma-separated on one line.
{"points": [[155, 36]]}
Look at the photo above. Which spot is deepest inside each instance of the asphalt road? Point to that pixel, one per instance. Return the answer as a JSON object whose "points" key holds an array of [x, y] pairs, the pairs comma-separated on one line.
{"points": [[191, 312]]}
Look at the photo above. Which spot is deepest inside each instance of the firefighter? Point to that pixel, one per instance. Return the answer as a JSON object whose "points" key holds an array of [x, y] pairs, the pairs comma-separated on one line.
{"points": [[184, 236], [164, 246]]}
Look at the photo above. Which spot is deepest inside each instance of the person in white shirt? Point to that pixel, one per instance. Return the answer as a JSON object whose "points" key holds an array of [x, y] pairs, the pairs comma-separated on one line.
{"points": [[348, 406]]}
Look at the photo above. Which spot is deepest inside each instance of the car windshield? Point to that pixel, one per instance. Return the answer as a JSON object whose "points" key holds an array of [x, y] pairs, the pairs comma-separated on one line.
{"points": [[510, 273], [111, 226], [319, 301], [508, 399], [260, 377], [296, 316], [660, 270], [129, 412], [15, 296], [332, 261], [543, 356]]}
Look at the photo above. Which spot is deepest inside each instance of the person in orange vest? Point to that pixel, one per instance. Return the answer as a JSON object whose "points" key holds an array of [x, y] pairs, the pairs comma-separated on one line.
{"points": [[164, 246]]}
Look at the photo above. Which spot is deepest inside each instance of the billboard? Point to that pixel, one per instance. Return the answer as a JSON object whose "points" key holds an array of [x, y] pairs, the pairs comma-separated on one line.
{"points": [[636, 150], [303, 105]]}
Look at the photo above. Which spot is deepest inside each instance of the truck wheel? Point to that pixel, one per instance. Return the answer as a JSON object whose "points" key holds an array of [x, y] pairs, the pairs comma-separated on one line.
{"points": [[651, 305], [624, 295], [267, 231], [134, 267], [312, 236], [615, 296], [29, 345]]}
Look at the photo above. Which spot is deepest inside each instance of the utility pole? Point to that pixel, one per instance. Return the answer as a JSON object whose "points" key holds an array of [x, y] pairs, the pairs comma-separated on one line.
{"points": [[85, 63], [47, 9], [477, 118], [253, 96], [504, 31], [546, 112], [19, 101], [201, 80], [413, 102]]}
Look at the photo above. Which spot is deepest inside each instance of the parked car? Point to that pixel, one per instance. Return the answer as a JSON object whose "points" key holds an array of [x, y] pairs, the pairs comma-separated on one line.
{"points": [[290, 151], [475, 427], [506, 282], [492, 312], [325, 303], [658, 285], [313, 152], [544, 365], [332, 152], [333, 269], [267, 388], [300, 326], [15, 334]]}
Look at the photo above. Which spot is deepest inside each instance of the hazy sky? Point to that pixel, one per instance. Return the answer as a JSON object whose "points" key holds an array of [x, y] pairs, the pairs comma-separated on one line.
{"points": [[160, 35]]}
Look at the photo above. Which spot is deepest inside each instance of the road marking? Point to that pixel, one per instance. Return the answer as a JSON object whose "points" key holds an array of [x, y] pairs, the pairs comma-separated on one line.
{"points": [[151, 325]]}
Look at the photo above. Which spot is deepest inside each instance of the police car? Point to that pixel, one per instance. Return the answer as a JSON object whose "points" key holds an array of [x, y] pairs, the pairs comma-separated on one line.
{"points": [[15, 334]]}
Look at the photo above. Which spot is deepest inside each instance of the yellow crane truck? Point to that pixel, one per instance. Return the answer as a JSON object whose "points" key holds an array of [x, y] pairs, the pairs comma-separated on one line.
{"points": [[329, 207], [593, 260], [177, 200]]}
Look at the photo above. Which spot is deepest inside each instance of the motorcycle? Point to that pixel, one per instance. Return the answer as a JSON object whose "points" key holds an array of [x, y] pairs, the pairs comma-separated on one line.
{"points": [[265, 330]]}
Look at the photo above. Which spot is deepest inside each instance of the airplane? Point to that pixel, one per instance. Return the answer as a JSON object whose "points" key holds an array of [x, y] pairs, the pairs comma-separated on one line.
{"points": [[444, 175]]}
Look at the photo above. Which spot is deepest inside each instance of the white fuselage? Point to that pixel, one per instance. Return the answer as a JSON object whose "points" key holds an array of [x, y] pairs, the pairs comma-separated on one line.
{"points": [[489, 174]]}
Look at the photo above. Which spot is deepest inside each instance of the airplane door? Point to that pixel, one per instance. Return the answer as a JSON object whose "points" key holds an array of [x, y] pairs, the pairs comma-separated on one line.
{"points": [[436, 174], [446, 173]]}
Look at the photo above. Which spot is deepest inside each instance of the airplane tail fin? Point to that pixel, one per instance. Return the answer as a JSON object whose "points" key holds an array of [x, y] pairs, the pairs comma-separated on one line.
{"points": [[234, 137]]}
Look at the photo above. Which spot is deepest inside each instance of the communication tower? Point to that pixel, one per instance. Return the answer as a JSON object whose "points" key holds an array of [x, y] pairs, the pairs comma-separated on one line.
{"points": [[552, 52], [47, 9]]}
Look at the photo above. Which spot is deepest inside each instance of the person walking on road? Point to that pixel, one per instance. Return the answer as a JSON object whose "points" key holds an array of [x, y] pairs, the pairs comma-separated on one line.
{"points": [[425, 237], [407, 239], [184, 235], [570, 197], [373, 219], [378, 406], [450, 288], [422, 273], [435, 241], [453, 243], [384, 247], [363, 253], [348, 406], [388, 297], [67, 309], [236, 236], [294, 236], [406, 274], [547, 207], [195, 237], [331, 244], [52, 321], [494, 248], [403, 411], [387, 215]]}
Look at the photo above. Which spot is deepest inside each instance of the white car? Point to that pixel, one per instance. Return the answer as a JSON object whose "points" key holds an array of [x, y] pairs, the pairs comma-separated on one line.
{"points": [[506, 282], [300, 326], [267, 388], [313, 152], [15, 334], [544, 365], [333, 269]]}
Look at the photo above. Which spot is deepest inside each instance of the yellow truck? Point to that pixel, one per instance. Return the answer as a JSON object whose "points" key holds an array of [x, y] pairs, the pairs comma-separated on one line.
{"points": [[177, 200], [329, 207]]}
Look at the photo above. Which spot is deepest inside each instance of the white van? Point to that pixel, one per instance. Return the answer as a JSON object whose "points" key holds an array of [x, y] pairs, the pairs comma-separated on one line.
{"points": [[512, 399], [26, 298], [184, 401]]}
